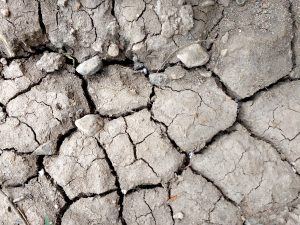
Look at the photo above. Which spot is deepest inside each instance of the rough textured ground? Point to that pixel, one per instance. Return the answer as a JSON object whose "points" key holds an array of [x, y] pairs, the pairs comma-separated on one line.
{"points": [[150, 112]]}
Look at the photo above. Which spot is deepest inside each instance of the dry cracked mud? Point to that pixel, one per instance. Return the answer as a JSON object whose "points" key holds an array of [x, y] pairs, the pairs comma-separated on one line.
{"points": [[150, 112]]}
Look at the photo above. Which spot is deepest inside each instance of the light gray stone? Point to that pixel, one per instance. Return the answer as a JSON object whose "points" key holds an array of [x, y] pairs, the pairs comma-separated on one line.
{"points": [[193, 55], [90, 66], [89, 124]]}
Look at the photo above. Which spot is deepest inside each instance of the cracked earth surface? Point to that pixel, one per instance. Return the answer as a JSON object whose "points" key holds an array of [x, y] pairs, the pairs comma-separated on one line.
{"points": [[150, 112]]}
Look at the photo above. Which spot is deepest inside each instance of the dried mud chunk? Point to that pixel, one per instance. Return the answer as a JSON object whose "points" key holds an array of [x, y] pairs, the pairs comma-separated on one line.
{"points": [[275, 116], [193, 108], [120, 151], [253, 48], [21, 29], [19, 75], [159, 153], [118, 90], [154, 30], [8, 214], [37, 199], [251, 173], [137, 174], [194, 200], [17, 135], [93, 210], [149, 159], [147, 207], [84, 167], [85, 28], [16, 169], [50, 108]]}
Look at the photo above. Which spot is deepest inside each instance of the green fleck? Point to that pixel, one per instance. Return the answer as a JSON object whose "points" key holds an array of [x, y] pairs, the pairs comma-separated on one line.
{"points": [[46, 220]]}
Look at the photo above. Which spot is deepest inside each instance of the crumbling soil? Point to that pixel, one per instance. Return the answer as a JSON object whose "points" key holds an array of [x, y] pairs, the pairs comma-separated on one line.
{"points": [[150, 112]]}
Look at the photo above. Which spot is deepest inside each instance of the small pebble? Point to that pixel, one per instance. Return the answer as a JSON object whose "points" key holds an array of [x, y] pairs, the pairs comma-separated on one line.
{"points": [[224, 52], [193, 55], [240, 2], [207, 3], [191, 154], [42, 172], [90, 124], [18, 199], [77, 5], [3, 61], [90, 66], [145, 71], [72, 31], [113, 50], [178, 216], [224, 2], [5, 12], [225, 38], [205, 73]]}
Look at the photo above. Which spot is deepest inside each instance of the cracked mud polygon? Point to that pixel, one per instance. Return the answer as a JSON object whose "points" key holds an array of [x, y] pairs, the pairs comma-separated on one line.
{"points": [[150, 112]]}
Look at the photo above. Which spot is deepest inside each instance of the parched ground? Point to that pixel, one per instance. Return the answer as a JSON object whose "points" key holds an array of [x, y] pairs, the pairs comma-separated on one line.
{"points": [[150, 112]]}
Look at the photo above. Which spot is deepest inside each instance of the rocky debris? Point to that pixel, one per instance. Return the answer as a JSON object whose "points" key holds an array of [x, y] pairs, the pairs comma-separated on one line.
{"points": [[16, 169], [193, 55], [14, 70], [275, 116], [194, 200], [147, 207], [84, 28], [8, 214], [47, 110], [90, 66], [118, 90], [93, 210], [142, 161], [17, 135], [90, 124], [154, 30], [193, 108], [20, 27], [113, 50], [250, 172], [18, 76], [50, 62], [37, 199], [84, 167], [256, 38]]}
